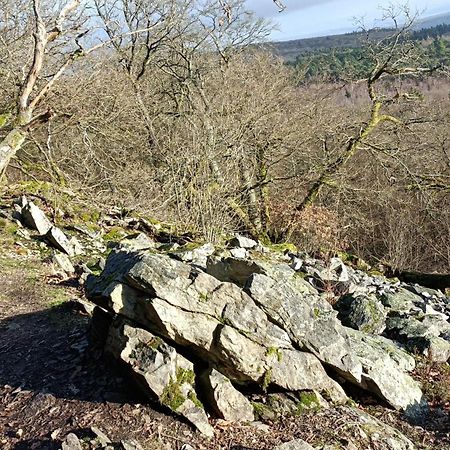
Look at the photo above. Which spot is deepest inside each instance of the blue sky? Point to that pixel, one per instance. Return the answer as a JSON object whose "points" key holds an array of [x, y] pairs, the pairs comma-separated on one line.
{"points": [[304, 18]]}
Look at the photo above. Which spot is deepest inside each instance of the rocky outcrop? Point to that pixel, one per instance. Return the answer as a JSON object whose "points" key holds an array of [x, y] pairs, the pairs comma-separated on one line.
{"points": [[245, 327]]}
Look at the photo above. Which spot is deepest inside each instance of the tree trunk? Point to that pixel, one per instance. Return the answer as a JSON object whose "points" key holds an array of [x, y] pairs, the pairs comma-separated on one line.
{"points": [[9, 147]]}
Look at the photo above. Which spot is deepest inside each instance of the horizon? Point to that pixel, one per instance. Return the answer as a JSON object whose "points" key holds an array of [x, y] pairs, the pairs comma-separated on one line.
{"points": [[313, 18]]}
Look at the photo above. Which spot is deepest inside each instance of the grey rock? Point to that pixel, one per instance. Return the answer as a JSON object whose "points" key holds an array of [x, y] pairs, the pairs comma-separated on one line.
{"points": [[139, 241], [309, 320], [131, 444], [362, 312], [240, 253], [381, 435], [63, 262], [228, 403], [71, 442], [240, 241], [33, 217], [160, 371], [436, 349], [59, 240], [296, 444], [385, 376], [400, 301], [101, 437], [197, 256], [232, 270]]}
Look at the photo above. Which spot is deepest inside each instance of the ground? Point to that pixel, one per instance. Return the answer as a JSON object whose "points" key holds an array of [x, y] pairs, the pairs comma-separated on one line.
{"points": [[53, 383]]}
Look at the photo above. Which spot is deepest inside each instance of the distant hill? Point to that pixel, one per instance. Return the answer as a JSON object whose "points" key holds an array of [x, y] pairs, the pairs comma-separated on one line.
{"points": [[433, 21], [290, 50]]}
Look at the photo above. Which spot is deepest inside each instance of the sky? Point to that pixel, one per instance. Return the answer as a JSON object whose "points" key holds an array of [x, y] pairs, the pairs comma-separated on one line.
{"points": [[307, 18]]}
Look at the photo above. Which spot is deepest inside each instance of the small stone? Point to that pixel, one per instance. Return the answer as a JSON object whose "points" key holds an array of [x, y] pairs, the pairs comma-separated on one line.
{"points": [[33, 217], [240, 241], [240, 253], [59, 240], [228, 403], [131, 444], [63, 262], [101, 437], [296, 444], [71, 443]]}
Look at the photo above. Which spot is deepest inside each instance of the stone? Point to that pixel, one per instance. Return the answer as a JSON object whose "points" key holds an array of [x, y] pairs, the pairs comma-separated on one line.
{"points": [[63, 262], [240, 241], [59, 240], [197, 256], [33, 217], [240, 253], [437, 349], [71, 442], [131, 444], [296, 444], [379, 434], [228, 403], [309, 320], [384, 374], [159, 370], [138, 241], [362, 312], [101, 437], [234, 270], [401, 301]]}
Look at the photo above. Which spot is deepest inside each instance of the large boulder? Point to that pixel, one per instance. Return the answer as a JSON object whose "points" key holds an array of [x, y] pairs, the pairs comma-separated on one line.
{"points": [[384, 366], [159, 370], [362, 312], [257, 322], [309, 320]]}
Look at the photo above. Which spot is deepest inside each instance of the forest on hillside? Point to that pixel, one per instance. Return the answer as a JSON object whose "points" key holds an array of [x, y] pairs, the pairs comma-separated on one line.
{"points": [[166, 109]]}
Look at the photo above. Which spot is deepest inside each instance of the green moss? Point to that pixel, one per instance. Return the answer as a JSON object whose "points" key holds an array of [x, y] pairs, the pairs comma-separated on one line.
{"points": [[4, 119], [276, 352], [286, 246], [115, 234], [316, 313], [261, 410], [8, 227], [172, 396], [204, 297], [194, 399], [307, 401], [266, 379]]}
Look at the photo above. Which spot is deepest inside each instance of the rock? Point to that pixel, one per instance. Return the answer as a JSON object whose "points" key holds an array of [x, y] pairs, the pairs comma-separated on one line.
{"points": [[234, 270], [379, 434], [101, 437], [362, 312], [437, 349], [33, 217], [240, 241], [197, 256], [138, 241], [239, 253], [296, 444], [59, 240], [131, 444], [63, 262], [77, 248], [228, 403], [160, 371], [71, 442], [384, 374], [309, 320], [401, 301]]}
